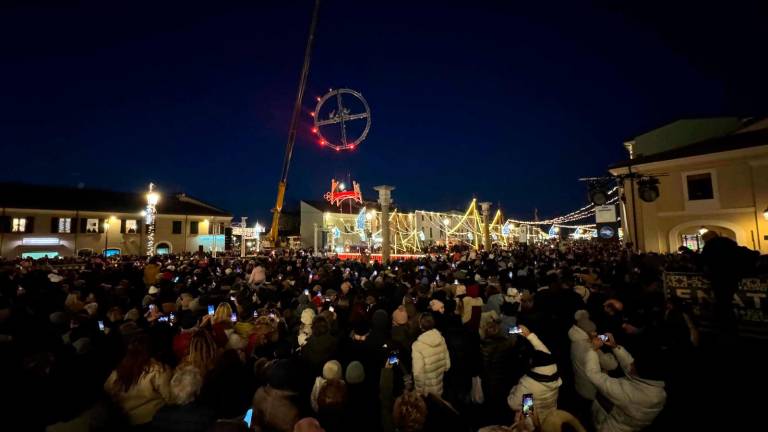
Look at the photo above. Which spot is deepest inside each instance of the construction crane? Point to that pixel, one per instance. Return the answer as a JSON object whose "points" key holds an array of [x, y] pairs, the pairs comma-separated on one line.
{"points": [[292, 130]]}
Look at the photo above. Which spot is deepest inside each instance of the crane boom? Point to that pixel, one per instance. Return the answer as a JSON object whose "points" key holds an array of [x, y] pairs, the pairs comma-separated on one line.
{"points": [[294, 124]]}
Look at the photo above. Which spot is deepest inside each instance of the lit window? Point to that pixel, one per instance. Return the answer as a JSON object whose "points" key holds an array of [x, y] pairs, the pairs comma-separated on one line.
{"points": [[92, 226], [65, 225], [19, 225], [131, 226]]}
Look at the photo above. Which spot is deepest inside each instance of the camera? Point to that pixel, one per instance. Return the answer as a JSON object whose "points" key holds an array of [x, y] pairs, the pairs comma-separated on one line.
{"points": [[527, 404], [210, 310]]}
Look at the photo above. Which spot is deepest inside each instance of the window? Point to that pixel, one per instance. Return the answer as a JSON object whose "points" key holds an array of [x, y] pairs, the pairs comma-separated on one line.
{"points": [[131, 226], [176, 227], [700, 187], [65, 225], [19, 225], [92, 225], [193, 227]]}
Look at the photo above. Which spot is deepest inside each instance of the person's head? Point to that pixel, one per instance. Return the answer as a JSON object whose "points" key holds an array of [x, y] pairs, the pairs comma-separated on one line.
{"points": [[308, 424], [426, 322], [186, 384], [135, 363], [332, 396], [410, 412], [320, 326], [583, 322], [186, 300], [223, 313], [332, 370], [648, 365], [492, 328], [355, 373], [526, 302], [399, 316], [202, 351]]}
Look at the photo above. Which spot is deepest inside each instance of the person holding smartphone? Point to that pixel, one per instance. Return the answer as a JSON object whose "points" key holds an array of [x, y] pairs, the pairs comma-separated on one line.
{"points": [[584, 337], [542, 380]]}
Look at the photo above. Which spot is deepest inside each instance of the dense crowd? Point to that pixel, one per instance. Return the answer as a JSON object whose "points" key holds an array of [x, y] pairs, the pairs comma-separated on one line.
{"points": [[550, 337]]}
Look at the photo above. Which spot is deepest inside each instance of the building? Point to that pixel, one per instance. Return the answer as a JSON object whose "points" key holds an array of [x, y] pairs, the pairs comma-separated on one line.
{"points": [[706, 174], [61, 221]]}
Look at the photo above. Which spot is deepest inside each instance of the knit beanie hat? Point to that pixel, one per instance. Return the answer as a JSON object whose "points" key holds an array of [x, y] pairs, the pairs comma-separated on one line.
{"points": [[332, 370], [399, 316], [437, 306], [307, 316], [355, 373], [583, 322]]}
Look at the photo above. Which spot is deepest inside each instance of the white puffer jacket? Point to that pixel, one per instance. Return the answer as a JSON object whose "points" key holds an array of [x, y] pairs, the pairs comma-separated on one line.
{"points": [[636, 401], [581, 345], [430, 362], [544, 393]]}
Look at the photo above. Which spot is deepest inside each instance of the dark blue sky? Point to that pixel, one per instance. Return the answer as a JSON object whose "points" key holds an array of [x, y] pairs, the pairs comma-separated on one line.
{"points": [[507, 102]]}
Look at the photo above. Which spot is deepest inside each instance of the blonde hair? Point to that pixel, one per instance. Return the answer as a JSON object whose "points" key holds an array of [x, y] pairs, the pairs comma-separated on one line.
{"points": [[202, 351], [223, 313], [410, 412]]}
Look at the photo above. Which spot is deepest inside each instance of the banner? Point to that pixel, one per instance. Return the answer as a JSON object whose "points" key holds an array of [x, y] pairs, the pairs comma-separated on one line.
{"points": [[749, 302]]}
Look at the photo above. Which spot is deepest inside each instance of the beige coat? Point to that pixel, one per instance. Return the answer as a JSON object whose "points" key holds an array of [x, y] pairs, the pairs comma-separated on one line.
{"points": [[430, 361], [143, 399]]}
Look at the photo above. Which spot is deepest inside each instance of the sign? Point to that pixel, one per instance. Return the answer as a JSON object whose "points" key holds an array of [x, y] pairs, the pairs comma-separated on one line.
{"points": [[749, 302], [239, 231], [606, 232], [337, 194], [605, 214]]}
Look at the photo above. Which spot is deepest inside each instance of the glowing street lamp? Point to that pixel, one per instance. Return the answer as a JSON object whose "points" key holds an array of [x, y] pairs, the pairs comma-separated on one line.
{"points": [[446, 222]]}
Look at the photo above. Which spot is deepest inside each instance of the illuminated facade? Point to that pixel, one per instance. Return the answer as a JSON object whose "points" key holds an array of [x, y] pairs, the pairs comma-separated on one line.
{"points": [[40, 221]]}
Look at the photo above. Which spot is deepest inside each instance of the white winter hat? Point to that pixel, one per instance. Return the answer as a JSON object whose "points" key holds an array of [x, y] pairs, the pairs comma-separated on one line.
{"points": [[307, 316]]}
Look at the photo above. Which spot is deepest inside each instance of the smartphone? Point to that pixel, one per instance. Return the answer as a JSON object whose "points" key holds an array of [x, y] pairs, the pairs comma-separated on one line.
{"points": [[393, 359], [232, 298], [330, 308], [176, 279], [233, 318], [527, 404], [163, 319], [210, 309], [248, 417], [375, 272], [255, 314], [421, 267], [172, 316], [152, 307], [510, 275], [455, 281], [603, 338], [515, 330], [310, 278], [101, 326], [306, 292]]}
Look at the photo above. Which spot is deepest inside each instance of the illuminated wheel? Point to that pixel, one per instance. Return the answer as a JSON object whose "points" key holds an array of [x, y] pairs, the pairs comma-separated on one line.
{"points": [[340, 118]]}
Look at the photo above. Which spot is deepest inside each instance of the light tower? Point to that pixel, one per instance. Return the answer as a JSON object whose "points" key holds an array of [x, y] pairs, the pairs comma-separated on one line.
{"points": [[385, 200], [149, 218]]}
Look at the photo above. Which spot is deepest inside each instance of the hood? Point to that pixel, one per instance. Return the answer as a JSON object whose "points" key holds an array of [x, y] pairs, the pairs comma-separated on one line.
{"points": [[576, 334], [431, 338]]}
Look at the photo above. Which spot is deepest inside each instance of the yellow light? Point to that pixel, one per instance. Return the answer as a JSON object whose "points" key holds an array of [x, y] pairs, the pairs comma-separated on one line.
{"points": [[765, 213], [112, 218], [153, 198], [106, 225], [703, 230], [370, 215]]}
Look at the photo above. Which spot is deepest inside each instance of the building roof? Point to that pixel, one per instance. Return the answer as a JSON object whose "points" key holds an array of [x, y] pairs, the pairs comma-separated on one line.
{"points": [[43, 197], [734, 141]]}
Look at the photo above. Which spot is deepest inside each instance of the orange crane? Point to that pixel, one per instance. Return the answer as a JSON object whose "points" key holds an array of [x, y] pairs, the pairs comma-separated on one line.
{"points": [[292, 130]]}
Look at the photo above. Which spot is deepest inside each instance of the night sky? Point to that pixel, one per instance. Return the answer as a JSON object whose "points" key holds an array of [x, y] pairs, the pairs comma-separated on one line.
{"points": [[507, 102]]}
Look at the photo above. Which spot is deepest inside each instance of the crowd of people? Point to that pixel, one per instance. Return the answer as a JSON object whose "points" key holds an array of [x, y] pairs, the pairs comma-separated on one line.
{"points": [[557, 336]]}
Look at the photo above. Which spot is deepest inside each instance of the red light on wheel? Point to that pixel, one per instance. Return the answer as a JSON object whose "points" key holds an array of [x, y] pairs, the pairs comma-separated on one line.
{"points": [[318, 98], [338, 149], [312, 114], [314, 130], [322, 143]]}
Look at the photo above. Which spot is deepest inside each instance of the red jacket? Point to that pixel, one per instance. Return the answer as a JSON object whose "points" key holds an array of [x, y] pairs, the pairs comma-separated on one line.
{"points": [[181, 344]]}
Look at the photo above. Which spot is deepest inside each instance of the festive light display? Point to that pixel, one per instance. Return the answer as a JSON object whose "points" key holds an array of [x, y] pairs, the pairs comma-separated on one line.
{"points": [[150, 215], [338, 194]]}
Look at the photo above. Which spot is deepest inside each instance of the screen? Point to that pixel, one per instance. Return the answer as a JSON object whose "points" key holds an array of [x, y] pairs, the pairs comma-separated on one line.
{"points": [[515, 330], [233, 317], [101, 325], [527, 404], [210, 309], [393, 360], [248, 417], [603, 338]]}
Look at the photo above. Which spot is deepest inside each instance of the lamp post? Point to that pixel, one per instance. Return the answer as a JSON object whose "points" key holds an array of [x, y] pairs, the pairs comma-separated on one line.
{"points": [[106, 237], [385, 200], [151, 212]]}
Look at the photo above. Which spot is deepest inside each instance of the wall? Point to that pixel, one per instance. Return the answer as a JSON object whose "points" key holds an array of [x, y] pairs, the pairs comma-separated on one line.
{"points": [[309, 217], [70, 243]]}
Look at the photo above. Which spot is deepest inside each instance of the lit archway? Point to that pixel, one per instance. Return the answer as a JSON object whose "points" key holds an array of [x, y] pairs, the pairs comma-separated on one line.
{"points": [[675, 240]]}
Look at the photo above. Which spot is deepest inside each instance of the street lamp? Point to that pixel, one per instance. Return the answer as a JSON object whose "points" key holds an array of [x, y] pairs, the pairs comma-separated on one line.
{"points": [[106, 234]]}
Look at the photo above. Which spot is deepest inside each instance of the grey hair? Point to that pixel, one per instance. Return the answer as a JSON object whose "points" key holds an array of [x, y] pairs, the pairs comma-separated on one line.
{"points": [[186, 384]]}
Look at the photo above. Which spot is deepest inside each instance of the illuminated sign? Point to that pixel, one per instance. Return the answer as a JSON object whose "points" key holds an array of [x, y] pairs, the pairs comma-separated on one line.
{"points": [[338, 194], [360, 221], [40, 241]]}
